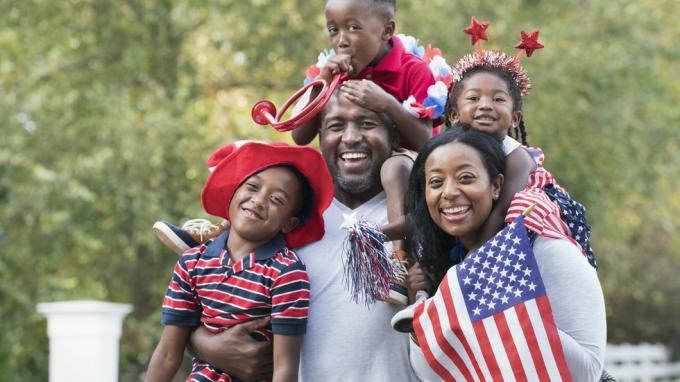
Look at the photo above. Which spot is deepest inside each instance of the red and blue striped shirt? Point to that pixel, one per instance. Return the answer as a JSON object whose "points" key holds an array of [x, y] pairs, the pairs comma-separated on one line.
{"points": [[208, 287]]}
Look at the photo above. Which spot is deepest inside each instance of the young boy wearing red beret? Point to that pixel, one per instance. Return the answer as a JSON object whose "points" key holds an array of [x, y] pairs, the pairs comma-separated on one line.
{"points": [[273, 196]]}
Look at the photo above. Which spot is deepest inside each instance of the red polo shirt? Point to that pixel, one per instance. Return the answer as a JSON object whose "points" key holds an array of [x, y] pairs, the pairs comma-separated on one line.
{"points": [[401, 74]]}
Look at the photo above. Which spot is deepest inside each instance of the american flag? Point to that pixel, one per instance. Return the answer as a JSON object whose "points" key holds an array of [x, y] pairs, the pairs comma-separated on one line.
{"points": [[490, 319]]}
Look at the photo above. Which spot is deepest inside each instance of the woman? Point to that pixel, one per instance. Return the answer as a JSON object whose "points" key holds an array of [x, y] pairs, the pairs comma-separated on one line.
{"points": [[454, 184]]}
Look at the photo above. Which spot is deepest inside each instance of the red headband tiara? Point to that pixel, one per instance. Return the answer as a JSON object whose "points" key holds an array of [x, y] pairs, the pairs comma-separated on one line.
{"points": [[495, 59]]}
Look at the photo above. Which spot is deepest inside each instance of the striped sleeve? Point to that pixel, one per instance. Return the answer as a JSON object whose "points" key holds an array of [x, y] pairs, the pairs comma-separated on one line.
{"points": [[290, 300], [180, 305]]}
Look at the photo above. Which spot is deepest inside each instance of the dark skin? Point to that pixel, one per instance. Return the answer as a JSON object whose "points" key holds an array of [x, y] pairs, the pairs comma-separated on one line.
{"points": [[485, 103], [346, 126], [360, 36], [234, 351], [262, 206]]}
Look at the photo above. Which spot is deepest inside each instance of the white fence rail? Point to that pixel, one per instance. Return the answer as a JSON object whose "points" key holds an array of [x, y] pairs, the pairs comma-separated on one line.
{"points": [[641, 363]]}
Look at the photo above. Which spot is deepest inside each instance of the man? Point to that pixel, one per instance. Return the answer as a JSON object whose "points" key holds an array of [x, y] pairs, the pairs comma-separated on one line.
{"points": [[344, 341]]}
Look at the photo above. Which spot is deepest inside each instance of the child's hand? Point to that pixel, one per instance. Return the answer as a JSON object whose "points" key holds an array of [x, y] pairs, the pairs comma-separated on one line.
{"points": [[417, 279], [336, 64], [367, 94]]}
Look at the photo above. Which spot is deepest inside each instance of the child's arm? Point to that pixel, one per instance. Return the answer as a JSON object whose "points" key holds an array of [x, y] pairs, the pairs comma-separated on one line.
{"points": [[416, 132], [336, 64], [286, 358], [394, 175], [167, 357], [518, 166]]}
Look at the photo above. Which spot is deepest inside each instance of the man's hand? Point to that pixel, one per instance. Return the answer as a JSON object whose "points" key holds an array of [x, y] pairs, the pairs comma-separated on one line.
{"points": [[368, 94], [336, 64], [234, 351]]}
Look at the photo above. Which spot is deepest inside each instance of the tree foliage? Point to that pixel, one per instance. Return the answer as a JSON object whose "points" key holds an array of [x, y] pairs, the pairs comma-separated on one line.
{"points": [[108, 110]]}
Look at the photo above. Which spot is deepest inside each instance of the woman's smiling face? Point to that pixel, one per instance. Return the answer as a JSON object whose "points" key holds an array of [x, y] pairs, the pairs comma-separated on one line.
{"points": [[458, 191]]}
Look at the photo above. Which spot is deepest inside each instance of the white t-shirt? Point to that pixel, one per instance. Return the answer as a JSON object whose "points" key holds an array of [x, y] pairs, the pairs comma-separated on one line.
{"points": [[578, 309], [346, 341], [509, 145]]}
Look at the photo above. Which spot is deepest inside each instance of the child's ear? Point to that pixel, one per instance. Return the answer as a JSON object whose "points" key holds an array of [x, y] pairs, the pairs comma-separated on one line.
{"points": [[389, 27], [290, 224], [516, 118], [453, 117]]}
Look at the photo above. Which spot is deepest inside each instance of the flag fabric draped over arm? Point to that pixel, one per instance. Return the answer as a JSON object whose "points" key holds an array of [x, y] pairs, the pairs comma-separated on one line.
{"points": [[490, 319]]}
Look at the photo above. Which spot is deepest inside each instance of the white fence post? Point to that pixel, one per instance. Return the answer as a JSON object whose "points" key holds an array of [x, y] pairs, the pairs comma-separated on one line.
{"points": [[640, 363], [84, 338]]}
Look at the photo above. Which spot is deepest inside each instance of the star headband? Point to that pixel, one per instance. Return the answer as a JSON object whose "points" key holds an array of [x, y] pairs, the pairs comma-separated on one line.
{"points": [[495, 59]]}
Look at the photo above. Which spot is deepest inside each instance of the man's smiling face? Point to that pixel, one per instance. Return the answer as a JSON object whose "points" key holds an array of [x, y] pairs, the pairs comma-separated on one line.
{"points": [[354, 142]]}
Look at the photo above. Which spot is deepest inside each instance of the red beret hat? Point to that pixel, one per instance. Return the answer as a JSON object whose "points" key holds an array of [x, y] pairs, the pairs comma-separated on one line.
{"points": [[232, 164]]}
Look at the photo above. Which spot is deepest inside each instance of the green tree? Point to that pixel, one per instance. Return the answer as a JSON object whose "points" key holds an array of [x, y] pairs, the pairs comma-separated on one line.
{"points": [[109, 109]]}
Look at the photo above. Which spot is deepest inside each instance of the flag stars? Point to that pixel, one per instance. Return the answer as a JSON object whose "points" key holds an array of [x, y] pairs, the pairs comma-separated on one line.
{"points": [[532, 286], [467, 280], [527, 272]]}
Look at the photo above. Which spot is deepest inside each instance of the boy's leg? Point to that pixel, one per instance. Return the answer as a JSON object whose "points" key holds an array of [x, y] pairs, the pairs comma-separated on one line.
{"points": [[193, 233], [394, 176]]}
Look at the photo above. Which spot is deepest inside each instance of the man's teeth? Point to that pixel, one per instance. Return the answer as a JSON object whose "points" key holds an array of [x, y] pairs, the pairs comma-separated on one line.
{"points": [[346, 156], [454, 210]]}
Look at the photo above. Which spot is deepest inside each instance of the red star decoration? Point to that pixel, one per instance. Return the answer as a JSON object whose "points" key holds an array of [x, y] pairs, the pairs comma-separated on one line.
{"points": [[477, 31], [529, 42]]}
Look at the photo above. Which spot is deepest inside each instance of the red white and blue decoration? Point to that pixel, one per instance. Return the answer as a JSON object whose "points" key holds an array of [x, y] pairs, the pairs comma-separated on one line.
{"points": [[368, 266], [491, 319], [433, 105], [491, 58]]}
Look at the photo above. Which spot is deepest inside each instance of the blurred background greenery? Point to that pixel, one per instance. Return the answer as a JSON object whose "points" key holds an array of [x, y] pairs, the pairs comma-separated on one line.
{"points": [[108, 110]]}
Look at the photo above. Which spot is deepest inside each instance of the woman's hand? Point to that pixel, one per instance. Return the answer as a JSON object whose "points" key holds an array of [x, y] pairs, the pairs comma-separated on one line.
{"points": [[234, 351]]}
